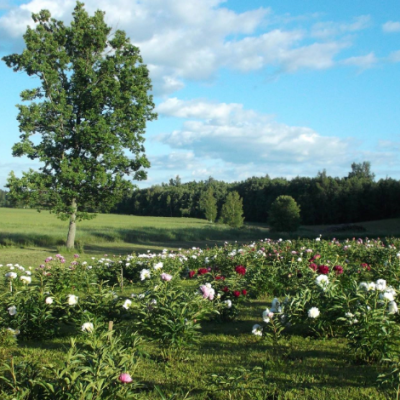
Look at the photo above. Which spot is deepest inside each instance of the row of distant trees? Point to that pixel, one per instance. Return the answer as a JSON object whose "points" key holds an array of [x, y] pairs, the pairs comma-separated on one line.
{"points": [[322, 199]]}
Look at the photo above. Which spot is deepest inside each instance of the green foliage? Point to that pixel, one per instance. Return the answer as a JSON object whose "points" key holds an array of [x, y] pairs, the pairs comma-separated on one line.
{"points": [[284, 215], [208, 204], [172, 316], [361, 171], [232, 210], [91, 106], [91, 370]]}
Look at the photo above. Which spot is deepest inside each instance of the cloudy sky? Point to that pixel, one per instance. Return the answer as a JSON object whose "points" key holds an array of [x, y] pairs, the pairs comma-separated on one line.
{"points": [[246, 88]]}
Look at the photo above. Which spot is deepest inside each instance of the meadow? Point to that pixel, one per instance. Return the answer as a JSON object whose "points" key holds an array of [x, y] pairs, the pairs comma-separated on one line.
{"points": [[189, 340]]}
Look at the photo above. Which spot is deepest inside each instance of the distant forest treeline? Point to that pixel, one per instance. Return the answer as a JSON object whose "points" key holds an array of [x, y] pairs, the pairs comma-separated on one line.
{"points": [[322, 199]]}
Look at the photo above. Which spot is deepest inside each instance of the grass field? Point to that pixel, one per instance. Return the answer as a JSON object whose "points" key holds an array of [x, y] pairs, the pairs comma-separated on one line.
{"points": [[29, 236]]}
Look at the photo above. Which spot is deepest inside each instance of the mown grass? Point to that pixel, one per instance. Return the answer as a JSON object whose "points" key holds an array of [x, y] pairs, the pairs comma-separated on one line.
{"points": [[29, 236]]}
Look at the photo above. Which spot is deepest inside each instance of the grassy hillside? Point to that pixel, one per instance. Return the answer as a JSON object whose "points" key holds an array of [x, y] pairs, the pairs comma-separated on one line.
{"points": [[27, 236]]}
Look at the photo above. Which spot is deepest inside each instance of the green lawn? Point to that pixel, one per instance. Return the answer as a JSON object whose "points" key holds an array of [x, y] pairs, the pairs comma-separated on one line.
{"points": [[27, 236]]}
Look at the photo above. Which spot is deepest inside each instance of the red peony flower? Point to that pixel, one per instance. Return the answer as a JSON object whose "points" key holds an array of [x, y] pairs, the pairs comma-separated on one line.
{"points": [[323, 269], [244, 292], [225, 289], [240, 270], [366, 266], [236, 293], [338, 269], [220, 277], [313, 266], [202, 271], [192, 274]]}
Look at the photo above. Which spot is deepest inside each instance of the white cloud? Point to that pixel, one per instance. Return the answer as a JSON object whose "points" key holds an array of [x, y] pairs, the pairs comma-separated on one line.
{"points": [[228, 132], [391, 26], [363, 62], [184, 40], [330, 29]]}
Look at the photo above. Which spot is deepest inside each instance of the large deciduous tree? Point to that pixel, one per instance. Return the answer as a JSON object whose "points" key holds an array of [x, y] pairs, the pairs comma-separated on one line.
{"points": [[90, 112], [232, 210], [208, 204]]}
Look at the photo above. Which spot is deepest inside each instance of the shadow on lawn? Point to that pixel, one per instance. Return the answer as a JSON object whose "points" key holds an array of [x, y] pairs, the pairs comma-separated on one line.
{"points": [[29, 239], [192, 234]]}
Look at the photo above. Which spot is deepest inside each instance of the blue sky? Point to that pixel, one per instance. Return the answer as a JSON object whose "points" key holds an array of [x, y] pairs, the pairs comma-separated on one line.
{"points": [[246, 88]]}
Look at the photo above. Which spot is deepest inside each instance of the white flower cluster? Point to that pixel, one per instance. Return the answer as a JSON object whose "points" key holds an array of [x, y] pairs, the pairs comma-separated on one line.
{"points": [[387, 293], [322, 281]]}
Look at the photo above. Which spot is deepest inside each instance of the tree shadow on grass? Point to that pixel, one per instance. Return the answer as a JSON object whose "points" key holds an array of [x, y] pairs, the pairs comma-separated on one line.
{"points": [[29, 239]]}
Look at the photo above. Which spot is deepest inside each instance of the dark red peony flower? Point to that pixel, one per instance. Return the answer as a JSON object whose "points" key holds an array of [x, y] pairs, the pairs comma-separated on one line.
{"points": [[244, 292], [240, 270], [192, 274], [313, 266], [338, 269], [323, 269], [220, 278], [366, 266], [236, 293], [225, 289], [202, 271]]}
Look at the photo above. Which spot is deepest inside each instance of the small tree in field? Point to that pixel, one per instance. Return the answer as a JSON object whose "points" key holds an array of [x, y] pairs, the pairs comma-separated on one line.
{"points": [[232, 210], [208, 204], [284, 215], [91, 108]]}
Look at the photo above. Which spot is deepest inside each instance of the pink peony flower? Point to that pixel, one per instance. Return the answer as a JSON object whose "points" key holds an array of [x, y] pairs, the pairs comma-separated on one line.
{"points": [[166, 277], [125, 378]]}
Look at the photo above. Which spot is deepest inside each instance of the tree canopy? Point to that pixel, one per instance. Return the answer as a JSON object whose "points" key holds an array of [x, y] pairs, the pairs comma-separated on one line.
{"points": [[90, 111]]}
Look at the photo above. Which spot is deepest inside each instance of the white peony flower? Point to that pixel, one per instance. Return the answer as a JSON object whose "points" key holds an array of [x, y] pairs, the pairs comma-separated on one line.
{"points": [[72, 299], [158, 266], [144, 274], [88, 327], [393, 309], [49, 300], [322, 281], [387, 295], [12, 310], [367, 286], [26, 279], [257, 330], [11, 275], [380, 285], [267, 315], [127, 304], [313, 312], [228, 303]]}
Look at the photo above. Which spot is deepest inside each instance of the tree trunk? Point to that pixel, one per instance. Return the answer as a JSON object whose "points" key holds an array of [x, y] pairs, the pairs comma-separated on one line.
{"points": [[72, 226]]}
